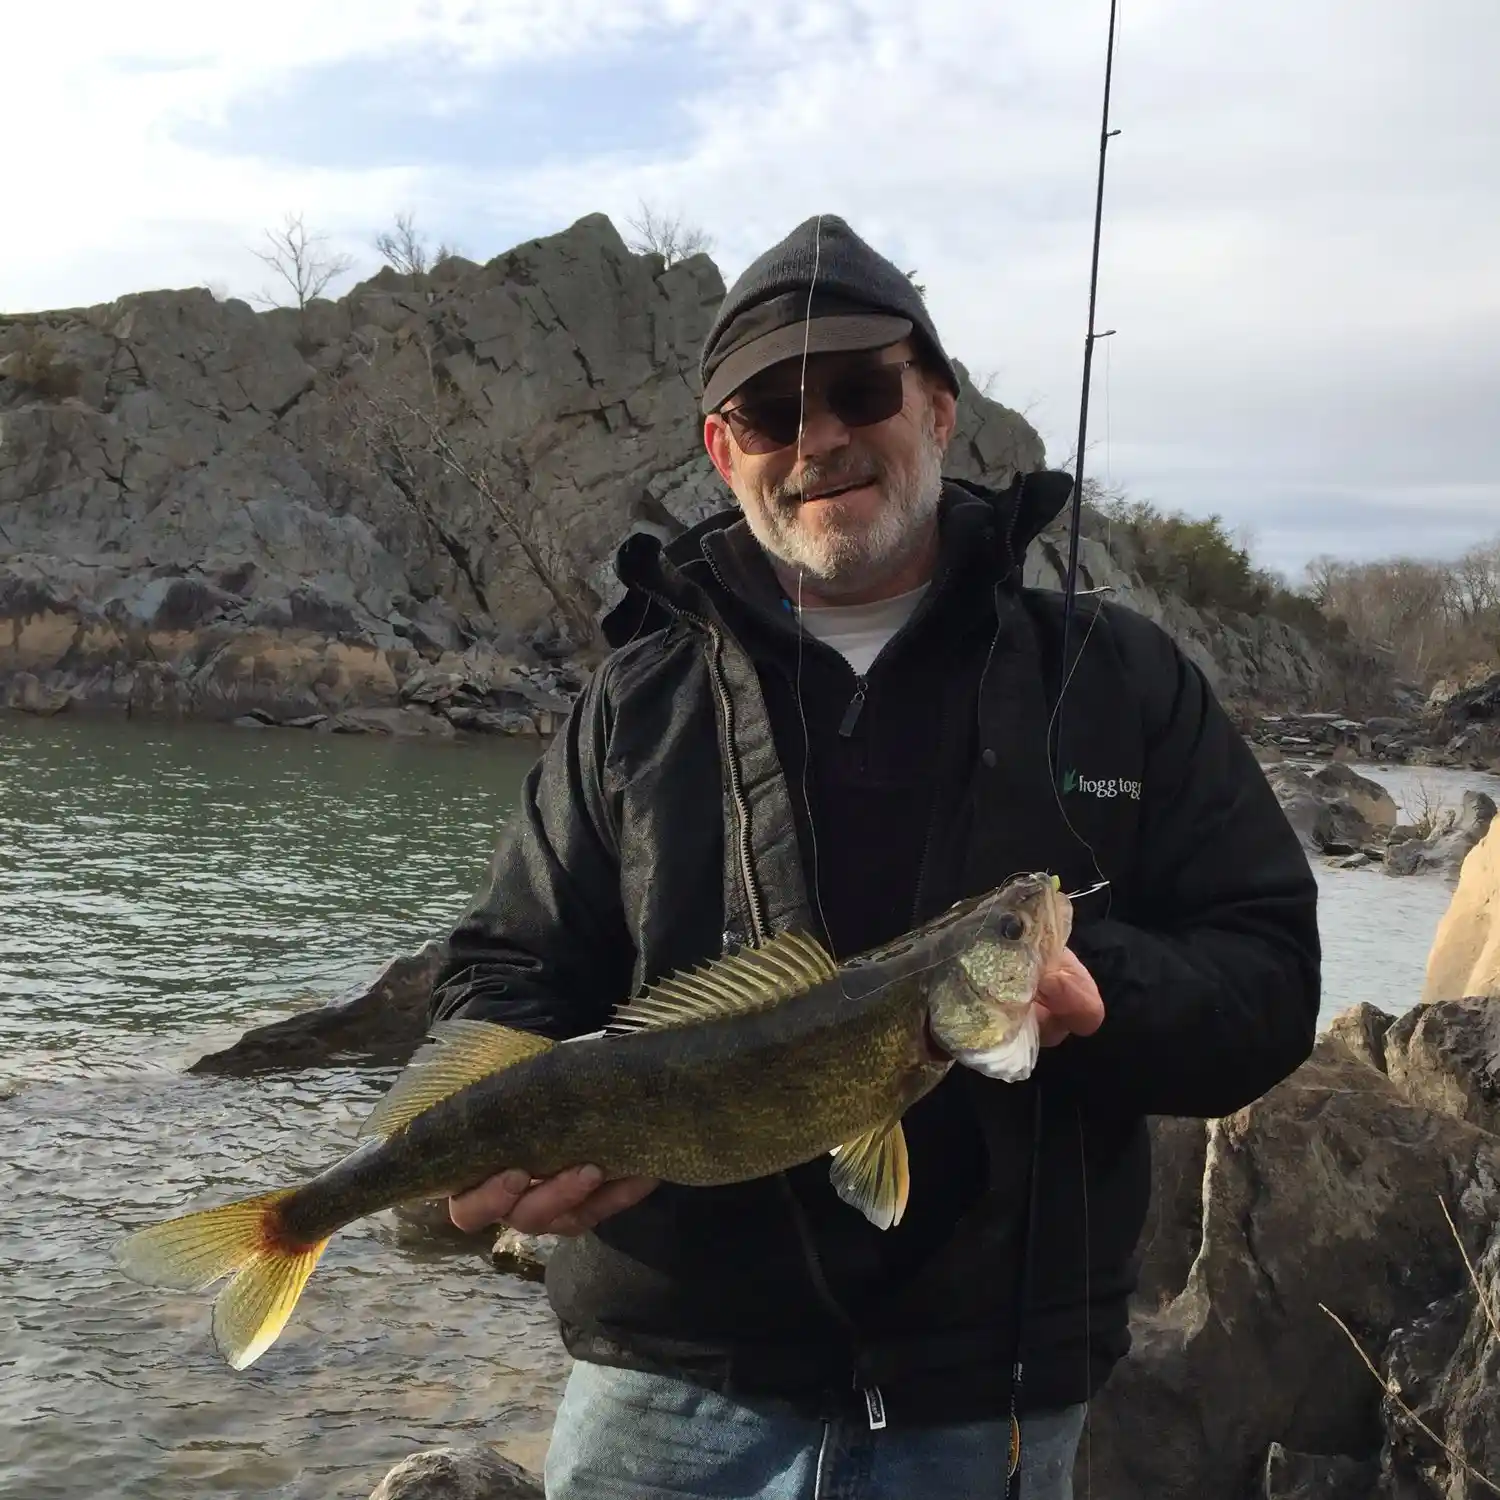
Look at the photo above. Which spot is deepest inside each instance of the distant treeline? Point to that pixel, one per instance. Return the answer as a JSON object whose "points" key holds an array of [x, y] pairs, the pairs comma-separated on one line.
{"points": [[1436, 618]]}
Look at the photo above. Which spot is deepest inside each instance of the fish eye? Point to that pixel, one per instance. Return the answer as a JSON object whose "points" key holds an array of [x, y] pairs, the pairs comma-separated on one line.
{"points": [[1012, 927]]}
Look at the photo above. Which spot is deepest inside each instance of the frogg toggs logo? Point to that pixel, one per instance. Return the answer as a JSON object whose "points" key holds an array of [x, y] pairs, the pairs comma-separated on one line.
{"points": [[1104, 787]]}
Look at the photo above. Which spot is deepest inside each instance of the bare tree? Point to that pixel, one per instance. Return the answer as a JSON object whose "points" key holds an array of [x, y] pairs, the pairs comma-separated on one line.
{"points": [[405, 249], [304, 266], [433, 445], [669, 238]]}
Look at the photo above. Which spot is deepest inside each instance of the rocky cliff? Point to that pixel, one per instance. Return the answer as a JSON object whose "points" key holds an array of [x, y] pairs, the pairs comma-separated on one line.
{"points": [[398, 498]]}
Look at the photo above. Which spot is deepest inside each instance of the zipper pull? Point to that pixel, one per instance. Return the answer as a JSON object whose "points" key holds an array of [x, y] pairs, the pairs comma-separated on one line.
{"points": [[875, 1407], [851, 714]]}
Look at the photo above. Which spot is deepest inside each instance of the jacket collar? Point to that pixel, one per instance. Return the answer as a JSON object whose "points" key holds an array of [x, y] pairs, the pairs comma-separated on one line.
{"points": [[979, 525]]}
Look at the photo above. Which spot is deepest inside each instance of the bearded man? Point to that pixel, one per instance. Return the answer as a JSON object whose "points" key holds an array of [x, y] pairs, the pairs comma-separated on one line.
{"points": [[834, 708]]}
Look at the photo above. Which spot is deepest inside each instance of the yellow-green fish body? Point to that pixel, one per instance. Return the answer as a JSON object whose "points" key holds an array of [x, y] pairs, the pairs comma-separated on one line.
{"points": [[747, 1066]]}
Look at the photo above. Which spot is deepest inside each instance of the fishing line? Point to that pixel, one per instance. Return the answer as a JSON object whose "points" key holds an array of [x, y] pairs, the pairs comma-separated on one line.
{"points": [[812, 832]]}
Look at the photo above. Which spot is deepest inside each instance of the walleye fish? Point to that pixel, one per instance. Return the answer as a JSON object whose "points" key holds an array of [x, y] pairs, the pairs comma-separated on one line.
{"points": [[741, 1068]]}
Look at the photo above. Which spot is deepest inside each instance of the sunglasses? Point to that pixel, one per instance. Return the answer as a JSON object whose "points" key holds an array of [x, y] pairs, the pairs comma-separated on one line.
{"points": [[859, 397]]}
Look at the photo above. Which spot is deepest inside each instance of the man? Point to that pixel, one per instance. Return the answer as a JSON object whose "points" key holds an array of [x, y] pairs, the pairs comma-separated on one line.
{"points": [[835, 708]]}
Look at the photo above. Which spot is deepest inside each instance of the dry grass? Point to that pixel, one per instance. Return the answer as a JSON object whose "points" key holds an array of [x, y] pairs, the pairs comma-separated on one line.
{"points": [[1393, 1389], [36, 365]]}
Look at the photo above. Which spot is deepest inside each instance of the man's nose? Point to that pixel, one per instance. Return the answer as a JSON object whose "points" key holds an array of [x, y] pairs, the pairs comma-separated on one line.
{"points": [[822, 432]]}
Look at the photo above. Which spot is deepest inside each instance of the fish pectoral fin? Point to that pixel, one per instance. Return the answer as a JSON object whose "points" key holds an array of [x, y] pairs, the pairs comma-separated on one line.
{"points": [[460, 1053], [871, 1173], [753, 979]]}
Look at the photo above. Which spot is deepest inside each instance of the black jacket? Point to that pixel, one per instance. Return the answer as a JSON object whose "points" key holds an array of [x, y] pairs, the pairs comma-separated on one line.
{"points": [[681, 811]]}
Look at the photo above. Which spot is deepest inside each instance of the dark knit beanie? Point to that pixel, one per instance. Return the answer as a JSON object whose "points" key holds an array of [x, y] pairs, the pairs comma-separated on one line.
{"points": [[778, 308]]}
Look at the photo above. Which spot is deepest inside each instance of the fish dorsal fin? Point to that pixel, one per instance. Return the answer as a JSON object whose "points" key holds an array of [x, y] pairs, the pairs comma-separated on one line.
{"points": [[739, 984], [871, 1173], [460, 1053]]}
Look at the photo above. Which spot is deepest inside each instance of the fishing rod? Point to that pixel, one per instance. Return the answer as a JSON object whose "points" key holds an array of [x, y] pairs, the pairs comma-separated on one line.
{"points": [[1070, 589], [1027, 1270]]}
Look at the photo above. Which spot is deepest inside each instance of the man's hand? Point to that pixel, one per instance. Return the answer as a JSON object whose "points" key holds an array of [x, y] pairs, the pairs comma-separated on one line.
{"points": [[568, 1203], [1068, 1001]]}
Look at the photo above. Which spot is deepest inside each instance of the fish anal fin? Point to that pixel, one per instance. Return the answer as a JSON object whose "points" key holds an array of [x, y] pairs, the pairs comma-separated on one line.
{"points": [[459, 1054], [871, 1173], [742, 983]]}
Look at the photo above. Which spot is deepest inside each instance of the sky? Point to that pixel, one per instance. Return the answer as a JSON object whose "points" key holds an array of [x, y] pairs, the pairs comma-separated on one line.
{"points": [[1301, 212]]}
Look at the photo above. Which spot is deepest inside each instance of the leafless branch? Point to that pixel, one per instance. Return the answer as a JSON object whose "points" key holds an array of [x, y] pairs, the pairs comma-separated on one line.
{"points": [[297, 257], [405, 248], [667, 237]]}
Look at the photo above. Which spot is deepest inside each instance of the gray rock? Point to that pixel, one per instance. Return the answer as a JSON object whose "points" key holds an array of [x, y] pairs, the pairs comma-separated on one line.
{"points": [[403, 723], [1173, 1232], [1368, 798], [1325, 1191], [1444, 850], [1317, 1476], [469, 1473], [1362, 1029], [522, 1255], [381, 1025], [1446, 1055], [25, 693]]}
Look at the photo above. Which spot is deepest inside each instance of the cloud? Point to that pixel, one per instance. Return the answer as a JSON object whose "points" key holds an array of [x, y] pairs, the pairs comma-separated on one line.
{"points": [[1300, 213]]}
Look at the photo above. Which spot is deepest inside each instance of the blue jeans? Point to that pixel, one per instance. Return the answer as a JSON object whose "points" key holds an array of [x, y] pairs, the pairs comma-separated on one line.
{"points": [[627, 1435]]}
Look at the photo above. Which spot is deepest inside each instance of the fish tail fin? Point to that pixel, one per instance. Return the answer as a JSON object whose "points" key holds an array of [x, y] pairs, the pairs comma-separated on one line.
{"points": [[245, 1238]]}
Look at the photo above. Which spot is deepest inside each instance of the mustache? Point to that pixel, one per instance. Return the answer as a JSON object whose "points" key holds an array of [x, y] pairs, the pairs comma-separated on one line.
{"points": [[822, 474]]}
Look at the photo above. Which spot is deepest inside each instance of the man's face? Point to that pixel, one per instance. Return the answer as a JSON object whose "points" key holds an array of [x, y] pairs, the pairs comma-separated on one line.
{"points": [[842, 502]]}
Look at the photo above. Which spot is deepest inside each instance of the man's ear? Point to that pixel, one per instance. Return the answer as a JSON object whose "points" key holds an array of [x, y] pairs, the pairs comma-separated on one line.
{"points": [[944, 412], [716, 440]]}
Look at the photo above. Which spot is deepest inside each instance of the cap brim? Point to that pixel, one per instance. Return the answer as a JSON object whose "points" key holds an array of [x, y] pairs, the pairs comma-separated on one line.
{"points": [[842, 333]]}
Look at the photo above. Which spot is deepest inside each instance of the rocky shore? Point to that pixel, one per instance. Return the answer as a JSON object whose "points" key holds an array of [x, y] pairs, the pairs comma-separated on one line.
{"points": [[1456, 727], [1353, 821], [211, 512], [1349, 1213]]}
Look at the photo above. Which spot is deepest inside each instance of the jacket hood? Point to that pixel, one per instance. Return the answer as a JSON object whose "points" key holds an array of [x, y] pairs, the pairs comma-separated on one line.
{"points": [[659, 575]]}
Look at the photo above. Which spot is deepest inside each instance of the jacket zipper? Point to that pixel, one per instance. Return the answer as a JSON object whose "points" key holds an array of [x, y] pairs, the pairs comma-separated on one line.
{"points": [[753, 897], [856, 704], [874, 1400]]}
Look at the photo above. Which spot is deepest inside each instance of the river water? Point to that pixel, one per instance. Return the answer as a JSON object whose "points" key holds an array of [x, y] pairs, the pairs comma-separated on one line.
{"points": [[162, 888]]}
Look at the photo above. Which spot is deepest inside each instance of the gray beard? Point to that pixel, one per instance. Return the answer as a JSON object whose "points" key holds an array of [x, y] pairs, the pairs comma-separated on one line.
{"points": [[853, 557]]}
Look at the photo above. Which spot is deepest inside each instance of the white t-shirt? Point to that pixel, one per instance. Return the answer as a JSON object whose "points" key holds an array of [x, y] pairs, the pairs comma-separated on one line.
{"points": [[860, 631]]}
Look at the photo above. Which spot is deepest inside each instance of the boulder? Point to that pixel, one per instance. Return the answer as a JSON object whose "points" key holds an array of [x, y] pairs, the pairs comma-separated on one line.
{"points": [[380, 1026], [1368, 798], [400, 723], [1445, 1054], [1362, 1029], [1465, 954], [1443, 1367], [1324, 1191], [1325, 814], [25, 692], [1173, 1231], [1317, 1476], [474, 1472]]}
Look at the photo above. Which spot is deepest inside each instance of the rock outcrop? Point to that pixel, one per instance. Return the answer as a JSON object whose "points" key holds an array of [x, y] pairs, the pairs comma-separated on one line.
{"points": [[1465, 954], [1339, 813], [1455, 831], [1334, 810], [210, 511], [470, 1473], [1326, 1191], [379, 1026]]}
